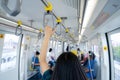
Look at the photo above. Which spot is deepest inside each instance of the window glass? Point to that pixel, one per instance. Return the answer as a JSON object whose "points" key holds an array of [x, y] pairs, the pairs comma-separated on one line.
{"points": [[58, 49], [115, 39], [9, 52]]}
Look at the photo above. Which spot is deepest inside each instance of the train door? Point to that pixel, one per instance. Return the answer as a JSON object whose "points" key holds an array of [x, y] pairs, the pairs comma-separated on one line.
{"points": [[114, 44], [9, 55], [25, 53]]}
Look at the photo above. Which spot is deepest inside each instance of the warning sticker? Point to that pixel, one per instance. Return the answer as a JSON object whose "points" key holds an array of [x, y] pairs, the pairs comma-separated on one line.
{"points": [[105, 48], [1, 35]]}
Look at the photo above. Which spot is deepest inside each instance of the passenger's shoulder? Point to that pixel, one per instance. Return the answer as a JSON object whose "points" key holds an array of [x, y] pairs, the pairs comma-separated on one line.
{"points": [[47, 74]]}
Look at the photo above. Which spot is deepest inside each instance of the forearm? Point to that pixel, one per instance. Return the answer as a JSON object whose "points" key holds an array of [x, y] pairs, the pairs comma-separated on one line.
{"points": [[44, 47], [43, 63]]}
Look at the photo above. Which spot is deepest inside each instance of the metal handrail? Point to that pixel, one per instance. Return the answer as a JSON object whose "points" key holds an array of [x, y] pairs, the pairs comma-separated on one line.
{"points": [[45, 3]]}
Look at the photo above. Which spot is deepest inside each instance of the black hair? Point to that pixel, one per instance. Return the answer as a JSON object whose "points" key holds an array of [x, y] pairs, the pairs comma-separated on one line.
{"points": [[89, 52], [37, 52], [51, 64], [67, 49], [82, 57], [50, 49], [92, 54], [78, 49], [68, 67]]}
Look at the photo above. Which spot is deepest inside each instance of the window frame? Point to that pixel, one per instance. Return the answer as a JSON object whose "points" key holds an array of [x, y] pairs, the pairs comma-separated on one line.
{"points": [[111, 56], [18, 47]]}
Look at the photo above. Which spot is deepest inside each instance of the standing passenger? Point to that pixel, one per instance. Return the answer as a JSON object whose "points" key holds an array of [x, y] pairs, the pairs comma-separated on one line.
{"points": [[91, 65], [67, 65]]}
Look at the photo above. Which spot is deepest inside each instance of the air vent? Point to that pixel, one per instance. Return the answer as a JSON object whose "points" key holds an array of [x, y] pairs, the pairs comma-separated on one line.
{"points": [[63, 18], [72, 3]]}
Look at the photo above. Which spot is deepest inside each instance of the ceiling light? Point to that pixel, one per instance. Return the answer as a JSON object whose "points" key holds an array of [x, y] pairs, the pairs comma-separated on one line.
{"points": [[91, 4], [80, 20], [82, 31], [80, 37]]}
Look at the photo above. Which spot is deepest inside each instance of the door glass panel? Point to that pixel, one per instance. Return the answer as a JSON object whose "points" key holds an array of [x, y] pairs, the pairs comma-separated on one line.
{"points": [[9, 52], [115, 41]]}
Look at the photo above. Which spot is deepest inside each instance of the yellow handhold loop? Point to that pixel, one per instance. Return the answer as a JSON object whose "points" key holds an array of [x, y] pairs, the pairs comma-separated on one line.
{"points": [[58, 20], [19, 23], [67, 30], [49, 7], [41, 30]]}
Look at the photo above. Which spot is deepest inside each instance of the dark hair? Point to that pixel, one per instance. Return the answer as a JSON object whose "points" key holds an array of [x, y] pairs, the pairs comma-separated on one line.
{"points": [[78, 49], [50, 49], [89, 52], [92, 55], [68, 67], [37, 53]]}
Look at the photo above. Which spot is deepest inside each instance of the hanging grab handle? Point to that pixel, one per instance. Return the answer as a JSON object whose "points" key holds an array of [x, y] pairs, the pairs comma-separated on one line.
{"points": [[45, 21], [17, 9], [18, 28], [40, 34], [48, 10]]}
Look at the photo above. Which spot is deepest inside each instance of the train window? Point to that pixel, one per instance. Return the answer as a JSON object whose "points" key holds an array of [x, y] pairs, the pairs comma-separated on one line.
{"points": [[9, 52], [58, 49], [115, 50]]}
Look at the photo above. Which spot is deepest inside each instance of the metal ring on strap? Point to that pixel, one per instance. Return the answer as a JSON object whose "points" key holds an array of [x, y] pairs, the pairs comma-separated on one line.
{"points": [[59, 29], [45, 22], [16, 31], [19, 27]]}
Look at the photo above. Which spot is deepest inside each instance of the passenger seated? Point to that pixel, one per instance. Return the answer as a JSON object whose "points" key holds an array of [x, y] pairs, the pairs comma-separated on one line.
{"points": [[36, 64], [67, 65], [51, 57]]}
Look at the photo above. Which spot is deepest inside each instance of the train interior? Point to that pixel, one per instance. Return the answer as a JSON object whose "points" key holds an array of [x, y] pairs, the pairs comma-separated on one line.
{"points": [[91, 25]]}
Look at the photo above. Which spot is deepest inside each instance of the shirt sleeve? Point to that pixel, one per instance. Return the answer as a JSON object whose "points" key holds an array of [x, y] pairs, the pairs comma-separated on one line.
{"points": [[47, 75], [32, 59]]}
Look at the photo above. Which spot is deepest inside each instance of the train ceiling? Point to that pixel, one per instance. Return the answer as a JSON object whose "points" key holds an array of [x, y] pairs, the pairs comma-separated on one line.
{"points": [[73, 12]]}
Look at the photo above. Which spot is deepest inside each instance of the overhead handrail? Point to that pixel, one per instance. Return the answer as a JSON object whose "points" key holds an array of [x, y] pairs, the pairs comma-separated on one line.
{"points": [[17, 9], [57, 18], [19, 27]]}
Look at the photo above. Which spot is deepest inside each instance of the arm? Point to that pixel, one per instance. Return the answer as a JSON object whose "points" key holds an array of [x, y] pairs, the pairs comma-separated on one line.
{"points": [[43, 63]]}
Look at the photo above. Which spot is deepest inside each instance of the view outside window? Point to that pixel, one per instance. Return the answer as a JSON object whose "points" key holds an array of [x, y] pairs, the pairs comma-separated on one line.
{"points": [[115, 38], [9, 52]]}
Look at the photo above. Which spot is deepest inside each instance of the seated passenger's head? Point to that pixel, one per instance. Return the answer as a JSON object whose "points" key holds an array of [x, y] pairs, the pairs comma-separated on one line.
{"points": [[92, 55], [50, 50], [68, 68], [37, 53], [89, 52], [78, 49]]}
